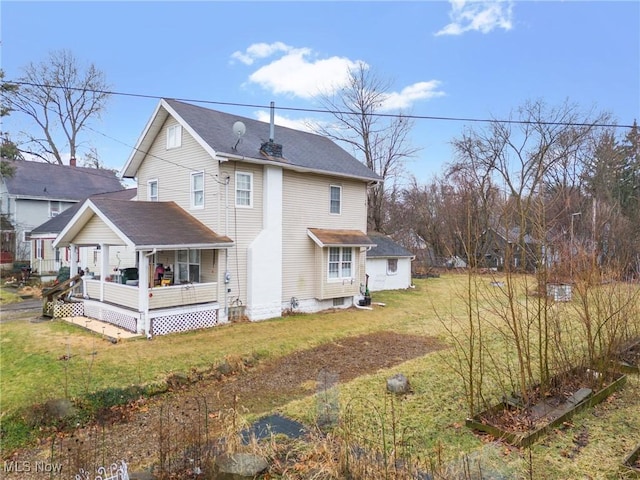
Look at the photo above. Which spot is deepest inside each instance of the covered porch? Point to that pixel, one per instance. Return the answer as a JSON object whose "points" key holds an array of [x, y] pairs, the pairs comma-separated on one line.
{"points": [[189, 298]]}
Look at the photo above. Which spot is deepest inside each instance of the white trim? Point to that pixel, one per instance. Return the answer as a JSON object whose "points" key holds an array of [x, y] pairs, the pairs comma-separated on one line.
{"points": [[174, 136], [149, 183], [251, 188], [192, 190], [331, 187]]}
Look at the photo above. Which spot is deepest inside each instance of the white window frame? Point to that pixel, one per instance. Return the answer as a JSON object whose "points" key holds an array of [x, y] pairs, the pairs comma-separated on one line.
{"points": [[39, 248], [193, 258], [55, 207], [174, 136], [343, 265], [150, 196], [250, 190], [331, 200], [391, 270], [194, 191]]}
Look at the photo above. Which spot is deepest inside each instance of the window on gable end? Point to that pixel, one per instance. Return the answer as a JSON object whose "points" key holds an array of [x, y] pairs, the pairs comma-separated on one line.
{"points": [[335, 199], [197, 190], [174, 136], [244, 189], [152, 192]]}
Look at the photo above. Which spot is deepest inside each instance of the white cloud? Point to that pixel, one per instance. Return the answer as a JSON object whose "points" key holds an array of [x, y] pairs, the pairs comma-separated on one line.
{"points": [[481, 16], [298, 72], [411, 94], [258, 51], [304, 124]]}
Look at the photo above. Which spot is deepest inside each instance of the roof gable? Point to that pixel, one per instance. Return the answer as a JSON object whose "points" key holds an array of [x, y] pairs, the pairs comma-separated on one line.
{"points": [[145, 225], [301, 151], [58, 182]]}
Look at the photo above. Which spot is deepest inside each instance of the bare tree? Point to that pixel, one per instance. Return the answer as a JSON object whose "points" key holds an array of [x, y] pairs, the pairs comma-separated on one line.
{"points": [[61, 98], [380, 141], [8, 149]]}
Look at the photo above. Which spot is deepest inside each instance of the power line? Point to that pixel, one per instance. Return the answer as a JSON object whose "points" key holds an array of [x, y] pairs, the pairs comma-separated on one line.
{"points": [[336, 112]]}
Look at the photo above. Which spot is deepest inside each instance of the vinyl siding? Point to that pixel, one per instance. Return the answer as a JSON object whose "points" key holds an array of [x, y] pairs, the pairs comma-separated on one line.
{"points": [[96, 232], [306, 205], [244, 225]]}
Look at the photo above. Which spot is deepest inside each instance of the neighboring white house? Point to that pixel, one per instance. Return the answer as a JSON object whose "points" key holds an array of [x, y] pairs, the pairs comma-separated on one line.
{"points": [[252, 219], [388, 264], [37, 192]]}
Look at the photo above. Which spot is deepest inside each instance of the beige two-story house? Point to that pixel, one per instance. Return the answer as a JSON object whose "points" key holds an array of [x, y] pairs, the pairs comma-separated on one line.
{"points": [[233, 217]]}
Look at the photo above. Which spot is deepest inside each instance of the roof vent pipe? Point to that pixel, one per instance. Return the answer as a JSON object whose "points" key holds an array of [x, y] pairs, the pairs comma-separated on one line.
{"points": [[272, 122]]}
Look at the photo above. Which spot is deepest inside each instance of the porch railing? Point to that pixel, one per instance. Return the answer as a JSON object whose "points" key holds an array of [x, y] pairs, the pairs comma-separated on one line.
{"points": [[159, 297]]}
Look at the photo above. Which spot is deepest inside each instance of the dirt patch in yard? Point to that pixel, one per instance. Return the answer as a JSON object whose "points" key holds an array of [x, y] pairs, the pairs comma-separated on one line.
{"points": [[134, 433]]}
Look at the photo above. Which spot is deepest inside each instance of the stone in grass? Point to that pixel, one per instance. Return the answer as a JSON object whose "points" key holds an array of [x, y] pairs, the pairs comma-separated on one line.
{"points": [[58, 409], [398, 384], [236, 466]]}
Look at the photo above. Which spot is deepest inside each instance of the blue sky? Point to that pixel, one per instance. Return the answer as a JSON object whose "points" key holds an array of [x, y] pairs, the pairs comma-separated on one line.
{"points": [[442, 59]]}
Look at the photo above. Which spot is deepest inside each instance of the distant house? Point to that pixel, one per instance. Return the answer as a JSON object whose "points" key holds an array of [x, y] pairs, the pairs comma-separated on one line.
{"points": [[47, 260], [37, 192], [241, 218], [388, 264], [501, 248]]}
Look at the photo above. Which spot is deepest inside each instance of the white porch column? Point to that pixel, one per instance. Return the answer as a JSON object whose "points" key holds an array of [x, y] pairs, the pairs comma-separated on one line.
{"points": [[73, 262], [143, 293], [104, 268]]}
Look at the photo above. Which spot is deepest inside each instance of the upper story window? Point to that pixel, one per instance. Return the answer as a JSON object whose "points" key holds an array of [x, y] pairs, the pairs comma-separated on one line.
{"points": [[152, 192], [392, 266], [197, 190], [340, 262], [244, 189], [54, 208], [335, 199], [174, 136]]}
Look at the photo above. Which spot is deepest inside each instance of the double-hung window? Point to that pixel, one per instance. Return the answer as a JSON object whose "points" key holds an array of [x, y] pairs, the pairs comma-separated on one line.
{"points": [[189, 266], [335, 199], [54, 208], [39, 248], [174, 136], [197, 190], [392, 266], [153, 190], [340, 262], [244, 189]]}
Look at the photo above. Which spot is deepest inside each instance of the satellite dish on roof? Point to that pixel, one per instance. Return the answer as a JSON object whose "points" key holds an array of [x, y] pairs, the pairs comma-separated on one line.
{"points": [[239, 129]]}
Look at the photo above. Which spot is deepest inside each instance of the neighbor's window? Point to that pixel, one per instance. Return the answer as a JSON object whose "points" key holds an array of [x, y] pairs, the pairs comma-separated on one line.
{"points": [[340, 262], [189, 265], [54, 208], [39, 248], [153, 190], [244, 189], [174, 136], [335, 201], [392, 266], [197, 189]]}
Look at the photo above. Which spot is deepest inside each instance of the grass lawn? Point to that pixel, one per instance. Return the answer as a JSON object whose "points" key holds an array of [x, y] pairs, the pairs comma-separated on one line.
{"points": [[430, 420]]}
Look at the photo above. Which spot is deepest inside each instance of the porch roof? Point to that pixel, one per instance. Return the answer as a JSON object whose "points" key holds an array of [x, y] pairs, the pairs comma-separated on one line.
{"points": [[144, 225], [339, 238]]}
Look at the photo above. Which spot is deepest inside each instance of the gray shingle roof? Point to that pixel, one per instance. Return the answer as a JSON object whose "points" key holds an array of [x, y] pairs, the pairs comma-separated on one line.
{"points": [[157, 224], [56, 224], [386, 247], [299, 149], [59, 182]]}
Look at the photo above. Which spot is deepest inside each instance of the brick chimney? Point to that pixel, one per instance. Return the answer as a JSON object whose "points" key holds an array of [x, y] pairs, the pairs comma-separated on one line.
{"points": [[72, 162]]}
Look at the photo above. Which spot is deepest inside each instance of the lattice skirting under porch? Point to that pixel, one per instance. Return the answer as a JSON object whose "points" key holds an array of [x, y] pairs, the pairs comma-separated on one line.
{"points": [[108, 314], [67, 309], [183, 322]]}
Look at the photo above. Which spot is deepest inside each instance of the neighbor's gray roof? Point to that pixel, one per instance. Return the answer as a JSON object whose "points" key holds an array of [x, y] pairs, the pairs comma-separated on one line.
{"points": [[58, 182], [56, 224], [158, 224], [386, 247], [299, 149]]}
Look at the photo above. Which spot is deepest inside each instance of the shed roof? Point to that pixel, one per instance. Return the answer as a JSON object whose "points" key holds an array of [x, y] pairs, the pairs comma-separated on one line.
{"points": [[339, 238], [386, 247]]}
